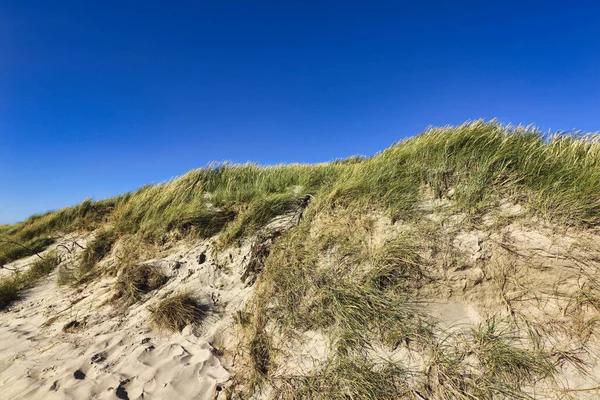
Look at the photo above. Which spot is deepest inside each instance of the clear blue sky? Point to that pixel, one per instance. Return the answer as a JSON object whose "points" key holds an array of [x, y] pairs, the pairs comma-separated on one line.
{"points": [[100, 97]]}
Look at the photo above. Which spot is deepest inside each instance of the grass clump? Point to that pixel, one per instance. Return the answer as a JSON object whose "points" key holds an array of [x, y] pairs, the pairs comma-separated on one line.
{"points": [[556, 176], [260, 352], [43, 267], [204, 201], [86, 216], [257, 214], [203, 223], [136, 280], [503, 362], [11, 286], [36, 233], [176, 312], [487, 363], [98, 248], [398, 263], [9, 290], [95, 251], [347, 378], [11, 250]]}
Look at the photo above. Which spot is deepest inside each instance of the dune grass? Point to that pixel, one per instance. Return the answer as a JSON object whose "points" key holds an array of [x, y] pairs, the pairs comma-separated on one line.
{"points": [[327, 276], [13, 250], [350, 291], [331, 274], [204, 201], [136, 280], [176, 312], [347, 377], [12, 285], [488, 362], [555, 176], [504, 362], [94, 252], [36, 233]]}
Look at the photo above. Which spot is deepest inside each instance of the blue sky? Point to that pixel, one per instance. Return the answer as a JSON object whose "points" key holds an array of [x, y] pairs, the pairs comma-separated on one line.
{"points": [[99, 98]]}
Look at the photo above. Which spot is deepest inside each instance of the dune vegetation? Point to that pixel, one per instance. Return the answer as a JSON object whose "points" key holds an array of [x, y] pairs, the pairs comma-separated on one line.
{"points": [[556, 176], [12, 285], [360, 286]]}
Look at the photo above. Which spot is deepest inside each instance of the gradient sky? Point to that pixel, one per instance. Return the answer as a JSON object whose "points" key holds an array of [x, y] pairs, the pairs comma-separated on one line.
{"points": [[100, 97]]}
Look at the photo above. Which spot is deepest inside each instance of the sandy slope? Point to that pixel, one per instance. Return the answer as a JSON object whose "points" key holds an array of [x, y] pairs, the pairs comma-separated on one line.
{"points": [[518, 271], [113, 353]]}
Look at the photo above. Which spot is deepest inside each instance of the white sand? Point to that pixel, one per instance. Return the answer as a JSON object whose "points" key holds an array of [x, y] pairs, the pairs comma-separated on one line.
{"points": [[131, 360]]}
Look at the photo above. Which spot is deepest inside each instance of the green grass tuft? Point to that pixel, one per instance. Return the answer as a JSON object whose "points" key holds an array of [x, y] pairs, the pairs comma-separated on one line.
{"points": [[488, 363]]}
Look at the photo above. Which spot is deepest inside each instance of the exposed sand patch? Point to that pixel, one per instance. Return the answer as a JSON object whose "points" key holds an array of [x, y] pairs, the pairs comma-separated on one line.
{"points": [[111, 353], [454, 315]]}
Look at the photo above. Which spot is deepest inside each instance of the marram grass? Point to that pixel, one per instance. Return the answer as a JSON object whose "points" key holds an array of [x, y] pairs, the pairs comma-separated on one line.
{"points": [[12, 285], [555, 176]]}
